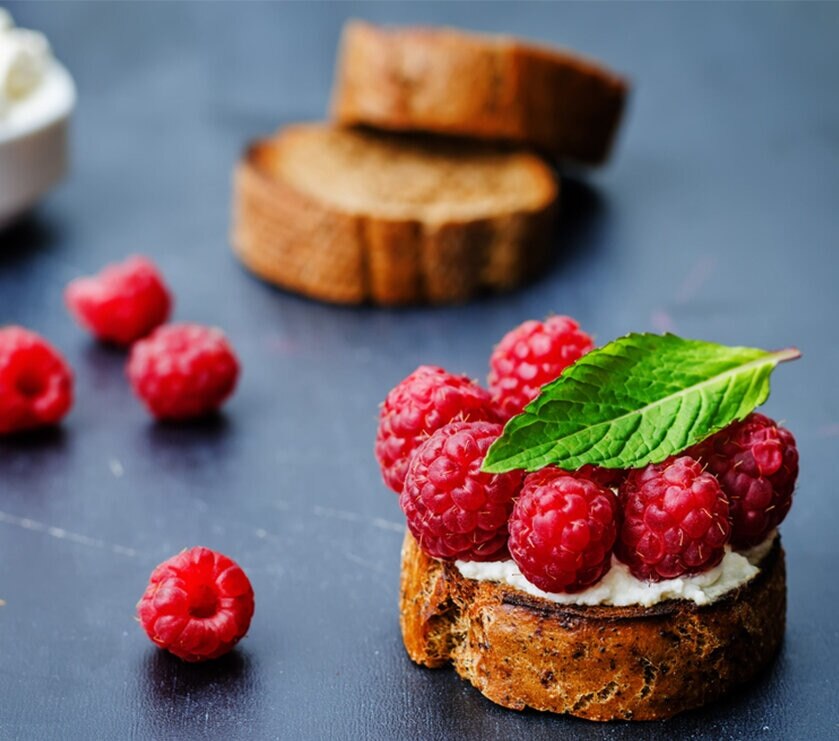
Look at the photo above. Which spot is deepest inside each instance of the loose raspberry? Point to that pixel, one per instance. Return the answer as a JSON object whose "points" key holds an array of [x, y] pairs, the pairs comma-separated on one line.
{"points": [[122, 303], [36, 383], [454, 510], [420, 404], [531, 355], [675, 520], [562, 531], [197, 605], [756, 463], [183, 371]]}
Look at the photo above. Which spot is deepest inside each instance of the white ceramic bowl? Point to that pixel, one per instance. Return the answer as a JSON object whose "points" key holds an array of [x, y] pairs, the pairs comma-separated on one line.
{"points": [[33, 143]]}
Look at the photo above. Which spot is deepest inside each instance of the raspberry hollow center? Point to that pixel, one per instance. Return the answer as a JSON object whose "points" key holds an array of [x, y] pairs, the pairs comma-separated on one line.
{"points": [[203, 602], [30, 385]]}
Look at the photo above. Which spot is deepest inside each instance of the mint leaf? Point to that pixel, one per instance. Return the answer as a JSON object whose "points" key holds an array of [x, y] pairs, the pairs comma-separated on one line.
{"points": [[638, 400]]}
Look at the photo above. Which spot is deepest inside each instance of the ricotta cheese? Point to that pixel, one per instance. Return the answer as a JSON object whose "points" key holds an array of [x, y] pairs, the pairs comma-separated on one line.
{"points": [[620, 588], [25, 59]]}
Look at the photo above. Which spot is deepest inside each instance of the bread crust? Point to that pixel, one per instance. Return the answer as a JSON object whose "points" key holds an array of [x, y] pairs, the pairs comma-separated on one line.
{"points": [[492, 87], [308, 245], [600, 663]]}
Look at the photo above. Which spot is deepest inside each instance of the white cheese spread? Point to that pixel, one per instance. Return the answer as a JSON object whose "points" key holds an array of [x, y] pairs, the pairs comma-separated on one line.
{"points": [[619, 588], [25, 61]]}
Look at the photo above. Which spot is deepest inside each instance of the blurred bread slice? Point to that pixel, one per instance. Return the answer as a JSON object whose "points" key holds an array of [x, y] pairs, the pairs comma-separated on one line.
{"points": [[490, 87], [350, 216]]}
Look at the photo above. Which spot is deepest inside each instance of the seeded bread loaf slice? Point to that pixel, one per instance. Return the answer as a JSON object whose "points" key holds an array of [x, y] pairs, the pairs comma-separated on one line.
{"points": [[491, 87], [351, 216], [600, 663]]}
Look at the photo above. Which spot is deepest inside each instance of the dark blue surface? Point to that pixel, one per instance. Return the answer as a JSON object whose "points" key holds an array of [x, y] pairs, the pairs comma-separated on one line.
{"points": [[718, 219]]}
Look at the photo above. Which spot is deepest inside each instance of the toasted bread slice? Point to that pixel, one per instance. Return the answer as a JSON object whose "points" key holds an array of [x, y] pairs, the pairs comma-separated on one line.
{"points": [[492, 87], [350, 216], [600, 663]]}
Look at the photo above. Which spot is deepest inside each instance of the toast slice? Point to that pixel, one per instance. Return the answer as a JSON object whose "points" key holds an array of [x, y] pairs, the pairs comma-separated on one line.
{"points": [[491, 87], [351, 216], [600, 663]]}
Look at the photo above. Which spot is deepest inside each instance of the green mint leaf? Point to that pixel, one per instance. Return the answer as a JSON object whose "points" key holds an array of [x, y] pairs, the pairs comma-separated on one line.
{"points": [[638, 400]]}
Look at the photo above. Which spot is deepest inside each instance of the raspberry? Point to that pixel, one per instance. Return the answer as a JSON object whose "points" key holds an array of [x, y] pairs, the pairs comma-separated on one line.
{"points": [[675, 520], [183, 371], [36, 383], [122, 303], [562, 531], [531, 355], [756, 463], [453, 509], [420, 404], [197, 605]]}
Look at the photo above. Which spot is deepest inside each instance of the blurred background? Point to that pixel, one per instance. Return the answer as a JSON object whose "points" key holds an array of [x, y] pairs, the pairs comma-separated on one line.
{"points": [[716, 218]]}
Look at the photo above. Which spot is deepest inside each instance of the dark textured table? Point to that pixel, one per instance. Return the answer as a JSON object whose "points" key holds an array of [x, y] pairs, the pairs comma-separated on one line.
{"points": [[718, 218]]}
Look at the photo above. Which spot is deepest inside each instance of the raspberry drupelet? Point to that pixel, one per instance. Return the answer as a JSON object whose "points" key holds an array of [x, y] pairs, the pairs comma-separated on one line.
{"points": [[420, 404], [121, 304], [531, 355], [36, 383], [197, 605], [454, 510], [674, 520], [183, 371], [562, 530], [756, 463]]}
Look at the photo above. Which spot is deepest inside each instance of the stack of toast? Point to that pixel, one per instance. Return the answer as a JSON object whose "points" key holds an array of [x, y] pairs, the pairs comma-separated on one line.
{"points": [[435, 180]]}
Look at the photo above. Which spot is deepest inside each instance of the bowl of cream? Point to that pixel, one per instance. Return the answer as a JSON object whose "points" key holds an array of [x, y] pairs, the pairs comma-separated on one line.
{"points": [[37, 97]]}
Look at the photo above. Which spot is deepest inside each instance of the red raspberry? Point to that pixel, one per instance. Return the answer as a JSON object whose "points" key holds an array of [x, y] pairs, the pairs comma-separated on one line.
{"points": [[122, 303], [420, 404], [562, 531], [36, 383], [453, 509], [182, 371], [531, 355], [756, 463], [675, 520], [197, 605]]}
